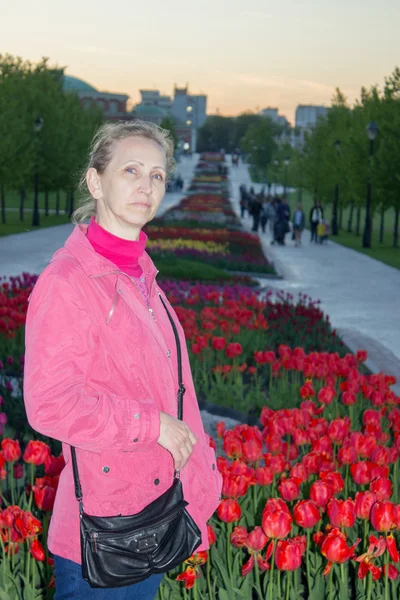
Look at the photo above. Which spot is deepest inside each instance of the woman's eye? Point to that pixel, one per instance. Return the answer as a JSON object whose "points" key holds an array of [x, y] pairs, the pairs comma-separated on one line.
{"points": [[131, 170], [159, 176]]}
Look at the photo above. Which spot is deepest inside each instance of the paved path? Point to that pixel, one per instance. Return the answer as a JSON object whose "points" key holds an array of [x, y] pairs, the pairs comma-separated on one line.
{"points": [[30, 252], [357, 292]]}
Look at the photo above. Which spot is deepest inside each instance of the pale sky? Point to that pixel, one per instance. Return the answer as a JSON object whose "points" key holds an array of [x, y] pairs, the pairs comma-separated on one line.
{"points": [[244, 54]]}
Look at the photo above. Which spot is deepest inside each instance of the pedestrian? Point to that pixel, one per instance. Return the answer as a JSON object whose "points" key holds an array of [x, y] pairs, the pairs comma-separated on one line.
{"points": [[244, 202], [271, 215], [298, 224], [316, 216], [264, 214], [256, 210], [283, 219], [323, 231], [104, 353]]}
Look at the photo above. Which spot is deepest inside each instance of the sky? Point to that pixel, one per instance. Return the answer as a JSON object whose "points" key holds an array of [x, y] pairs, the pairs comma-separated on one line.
{"points": [[245, 55]]}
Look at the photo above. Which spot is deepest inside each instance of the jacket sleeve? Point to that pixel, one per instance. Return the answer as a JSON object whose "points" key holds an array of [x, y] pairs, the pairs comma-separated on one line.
{"points": [[60, 350]]}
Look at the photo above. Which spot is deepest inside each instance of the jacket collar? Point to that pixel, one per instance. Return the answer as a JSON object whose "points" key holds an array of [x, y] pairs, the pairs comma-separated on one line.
{"points": [[93, 263]]}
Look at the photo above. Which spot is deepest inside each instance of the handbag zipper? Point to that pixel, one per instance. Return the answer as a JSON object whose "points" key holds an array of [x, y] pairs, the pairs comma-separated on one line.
{"points": [[93, 540]]}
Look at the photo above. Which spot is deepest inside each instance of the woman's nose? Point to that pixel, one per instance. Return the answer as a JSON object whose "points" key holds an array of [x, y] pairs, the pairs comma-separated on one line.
{"points": [[145, 183]]}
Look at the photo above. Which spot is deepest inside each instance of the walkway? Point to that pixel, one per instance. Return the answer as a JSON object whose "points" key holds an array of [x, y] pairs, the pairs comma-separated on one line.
{"points": [[30, 252], [357, 292]]}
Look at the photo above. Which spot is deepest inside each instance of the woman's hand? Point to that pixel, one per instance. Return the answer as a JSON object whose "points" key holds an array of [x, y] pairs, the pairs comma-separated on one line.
{"points": [[177, 438]]}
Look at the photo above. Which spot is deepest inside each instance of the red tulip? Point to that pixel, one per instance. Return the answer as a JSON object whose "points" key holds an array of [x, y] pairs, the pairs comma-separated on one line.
{"points": [[338, 429], [44, 497], [256, 540], [11, 450], [334, 479], [364, 502], [382, 487], [349, 398], [342, 513], [37, 550], [221, 428], [218, 343], [326, 394], [36, 453], [229, 510], [276, 519], [380, 455], [321, 492], [239, 537], [232, 445], [196, 349], [189, 577], [289, 553], [27, 525], [233, 350], [212, 538], [307, 390], [234, 486], [306, 514], [252, 450], [334, 547], [392, 548], [392, 572], [264, 358], [54, 465], [383, 516], [263, 476], [347, 455], [361, 472], [289, 489]]}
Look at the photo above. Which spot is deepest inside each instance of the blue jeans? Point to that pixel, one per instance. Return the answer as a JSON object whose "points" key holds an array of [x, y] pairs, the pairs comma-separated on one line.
{"points": [[71, 586]]}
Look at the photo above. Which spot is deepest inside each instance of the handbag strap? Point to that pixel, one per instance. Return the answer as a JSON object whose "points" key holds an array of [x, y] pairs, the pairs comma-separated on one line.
{"points": [[181, 393]]}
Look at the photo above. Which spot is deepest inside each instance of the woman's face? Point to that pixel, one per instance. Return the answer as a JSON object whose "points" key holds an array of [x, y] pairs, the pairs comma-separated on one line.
{"points": [[131, 188]]}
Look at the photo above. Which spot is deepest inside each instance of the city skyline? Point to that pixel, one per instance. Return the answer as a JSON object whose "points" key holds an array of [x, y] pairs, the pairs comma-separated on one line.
{"points": [[241, 58]]}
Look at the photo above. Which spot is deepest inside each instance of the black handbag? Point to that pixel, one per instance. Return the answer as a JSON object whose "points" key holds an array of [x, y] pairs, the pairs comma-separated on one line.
{"points": [[123, 550]]}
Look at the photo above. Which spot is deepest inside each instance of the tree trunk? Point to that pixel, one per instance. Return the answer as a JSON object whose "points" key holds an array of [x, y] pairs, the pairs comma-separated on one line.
{"points": [[66, 202], [22, 197], [396, 228], [382, 225], [358, 221], [350, 221], [341, 217], [71, 203], [3, 205], [58, 202], [46, 202]]}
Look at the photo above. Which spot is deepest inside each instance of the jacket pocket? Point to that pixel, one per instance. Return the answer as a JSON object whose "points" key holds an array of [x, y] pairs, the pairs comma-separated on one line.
{"points": [[204, 482]]}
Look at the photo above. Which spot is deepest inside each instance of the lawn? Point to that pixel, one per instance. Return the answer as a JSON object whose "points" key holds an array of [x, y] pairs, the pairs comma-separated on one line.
{"points": [[383, 252]]}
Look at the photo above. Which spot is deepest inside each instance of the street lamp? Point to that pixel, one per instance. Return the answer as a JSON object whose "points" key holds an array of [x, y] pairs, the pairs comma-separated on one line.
{"points": [[335, 228], [372, 131], [37, 127], [286, 162], [276, 165]]}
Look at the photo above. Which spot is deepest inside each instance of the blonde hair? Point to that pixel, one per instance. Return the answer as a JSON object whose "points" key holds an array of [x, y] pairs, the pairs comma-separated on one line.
{"points": [[101, 151]]}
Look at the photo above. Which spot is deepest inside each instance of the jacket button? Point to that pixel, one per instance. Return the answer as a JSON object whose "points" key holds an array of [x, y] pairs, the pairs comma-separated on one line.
{"points": [[136, 416], [213, 467], [169, 353], [106, 469], [156, 481], [136, 440], [120, 291]]}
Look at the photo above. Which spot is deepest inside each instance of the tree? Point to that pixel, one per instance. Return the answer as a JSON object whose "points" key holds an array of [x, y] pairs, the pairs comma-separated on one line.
{"points": [[168, 123]]}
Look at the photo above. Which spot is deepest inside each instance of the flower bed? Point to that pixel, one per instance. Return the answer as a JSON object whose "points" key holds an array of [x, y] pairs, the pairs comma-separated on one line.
{"points": [[310, 506]]}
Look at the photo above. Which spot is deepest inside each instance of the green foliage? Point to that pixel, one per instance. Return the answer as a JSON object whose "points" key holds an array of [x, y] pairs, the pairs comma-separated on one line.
{"points": [[59, 149], [168, 123]]}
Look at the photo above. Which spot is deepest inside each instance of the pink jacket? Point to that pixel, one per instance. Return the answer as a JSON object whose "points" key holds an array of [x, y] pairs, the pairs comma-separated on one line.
{"points": [[99, 367]]}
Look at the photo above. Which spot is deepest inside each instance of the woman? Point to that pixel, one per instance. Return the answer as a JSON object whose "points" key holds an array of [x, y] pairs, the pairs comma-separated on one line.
{"points": [[101, 360], [298, 224]]}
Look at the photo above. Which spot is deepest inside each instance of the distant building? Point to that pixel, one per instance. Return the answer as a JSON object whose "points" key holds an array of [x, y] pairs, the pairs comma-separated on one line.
{"points": [[273, 114], [307, 116], [113, 105], [187, 110]]}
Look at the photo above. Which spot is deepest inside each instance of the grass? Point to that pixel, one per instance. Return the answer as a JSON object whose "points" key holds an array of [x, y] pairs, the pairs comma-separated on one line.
{"points": [[383, 252], [190, 270], [13, 223]]}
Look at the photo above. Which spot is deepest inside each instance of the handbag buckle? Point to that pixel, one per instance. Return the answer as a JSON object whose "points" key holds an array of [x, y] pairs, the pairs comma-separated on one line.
{"points": [[146, 543]]}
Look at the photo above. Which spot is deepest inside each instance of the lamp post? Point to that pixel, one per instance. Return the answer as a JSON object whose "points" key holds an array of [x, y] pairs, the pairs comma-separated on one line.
{"points": [[276, 165], [335, 227], [286, 162], [38, 126], [372, 131]]}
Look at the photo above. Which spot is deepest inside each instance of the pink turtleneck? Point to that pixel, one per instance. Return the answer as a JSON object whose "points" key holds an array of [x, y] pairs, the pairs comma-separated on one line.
{"points": [[123, 253]]}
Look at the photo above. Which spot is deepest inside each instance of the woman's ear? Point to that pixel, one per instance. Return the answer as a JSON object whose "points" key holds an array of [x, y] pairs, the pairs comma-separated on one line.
{"points": [[93, 182]]}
